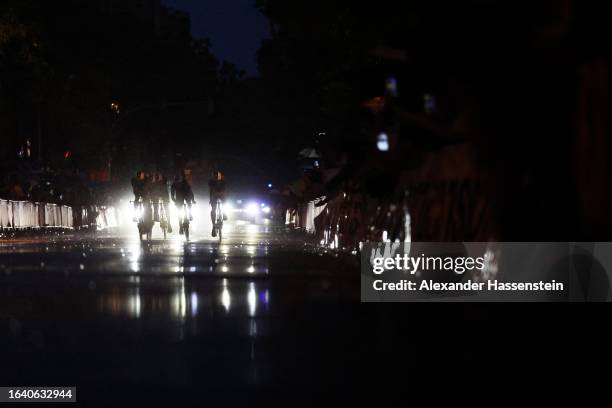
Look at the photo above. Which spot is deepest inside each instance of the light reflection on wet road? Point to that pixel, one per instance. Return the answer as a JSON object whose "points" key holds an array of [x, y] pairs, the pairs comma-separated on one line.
{"points": [[260, 310]]}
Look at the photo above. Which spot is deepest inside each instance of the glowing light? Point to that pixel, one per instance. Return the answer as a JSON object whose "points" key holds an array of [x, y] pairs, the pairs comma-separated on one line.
{"points": [[195, 209], [382, 142], [134, 256], [252, 209], [491, 266], [134, 304], [194, 304], [180, 301], [407, 230], [391, 85], [226, 299], [173, 211], [266, 210], [252, 299]]}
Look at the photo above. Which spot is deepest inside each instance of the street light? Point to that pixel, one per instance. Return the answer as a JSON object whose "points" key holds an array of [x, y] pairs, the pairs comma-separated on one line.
{"points": [[382, 142]]}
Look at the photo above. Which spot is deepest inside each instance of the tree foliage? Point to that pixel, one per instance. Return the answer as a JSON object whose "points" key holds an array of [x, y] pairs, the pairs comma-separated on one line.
{"points": [[64, 62]]}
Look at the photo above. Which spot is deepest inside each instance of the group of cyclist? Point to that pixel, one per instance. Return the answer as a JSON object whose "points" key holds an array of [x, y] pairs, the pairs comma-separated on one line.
{"points": [[153, 188]]}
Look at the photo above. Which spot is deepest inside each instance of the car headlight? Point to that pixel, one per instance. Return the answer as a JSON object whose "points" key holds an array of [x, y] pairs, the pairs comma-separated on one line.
{"points": [[252, 209]]}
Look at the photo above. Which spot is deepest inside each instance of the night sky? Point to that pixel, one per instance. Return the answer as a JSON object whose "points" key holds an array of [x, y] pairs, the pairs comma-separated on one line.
{"points": [[235, 28]]}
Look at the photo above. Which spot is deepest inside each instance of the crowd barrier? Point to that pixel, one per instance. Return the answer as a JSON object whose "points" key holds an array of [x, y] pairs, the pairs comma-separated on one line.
{"points": [[442, 211], [26, 214], [106, 217], [312, 211], [96, 217], [305, 214], [17, 215]]}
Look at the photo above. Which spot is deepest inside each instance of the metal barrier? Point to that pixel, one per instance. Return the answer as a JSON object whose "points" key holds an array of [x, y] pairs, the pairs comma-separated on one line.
{"points": [[27, 214], [106, 218], [304, 216], [312, 211], [16, 215]]}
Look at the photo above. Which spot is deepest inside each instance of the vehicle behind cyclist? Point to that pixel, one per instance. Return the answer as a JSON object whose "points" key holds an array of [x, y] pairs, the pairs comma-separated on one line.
{"points": [[216, 186]]}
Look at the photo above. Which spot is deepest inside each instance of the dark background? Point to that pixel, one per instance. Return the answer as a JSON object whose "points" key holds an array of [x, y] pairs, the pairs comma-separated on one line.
{"points": [[522, 86]]}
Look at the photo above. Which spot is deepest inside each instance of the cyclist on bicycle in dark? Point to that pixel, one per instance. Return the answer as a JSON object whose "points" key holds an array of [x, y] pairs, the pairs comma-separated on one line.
{"points": [[182, 194], [161, 197], [139, 185], [216, 186]]}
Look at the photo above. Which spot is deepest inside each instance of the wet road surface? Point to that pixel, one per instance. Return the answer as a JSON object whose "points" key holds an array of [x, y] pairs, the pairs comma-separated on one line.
{"points": [[261, 312]]}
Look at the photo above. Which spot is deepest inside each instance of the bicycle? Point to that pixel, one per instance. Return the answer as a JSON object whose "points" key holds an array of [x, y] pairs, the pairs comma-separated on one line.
{"points": [[163, 218], [144, 218], [219, 218], [184, 218]]}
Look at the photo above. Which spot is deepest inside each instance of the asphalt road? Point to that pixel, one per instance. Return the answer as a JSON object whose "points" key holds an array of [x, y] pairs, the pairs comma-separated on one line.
{"points": [[260, 313], [264, 317]]}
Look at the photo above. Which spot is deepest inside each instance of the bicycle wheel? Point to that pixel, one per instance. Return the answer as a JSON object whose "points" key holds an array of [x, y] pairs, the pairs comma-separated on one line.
{"points": [[219, 219], [163, 220]]}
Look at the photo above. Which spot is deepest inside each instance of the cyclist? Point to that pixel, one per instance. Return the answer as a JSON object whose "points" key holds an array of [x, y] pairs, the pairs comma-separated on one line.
{"points": [[216, 186], [161, 195], [182, 194], [139, 188]]}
